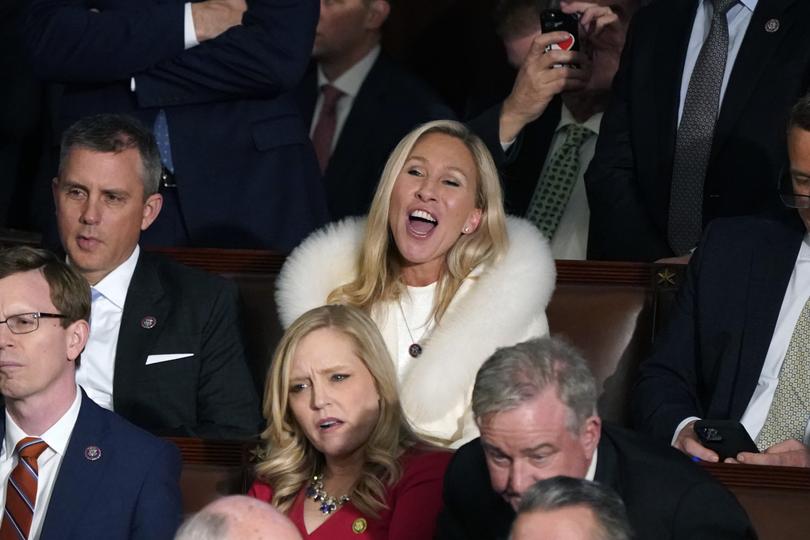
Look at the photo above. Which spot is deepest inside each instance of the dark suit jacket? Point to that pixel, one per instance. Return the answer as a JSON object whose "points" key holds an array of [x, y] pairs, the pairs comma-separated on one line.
{"points": [[666, 496], [389, 104], [130, 492], [707, 362], [209, 394], [629, 178], [520, 166], [244, 165]]}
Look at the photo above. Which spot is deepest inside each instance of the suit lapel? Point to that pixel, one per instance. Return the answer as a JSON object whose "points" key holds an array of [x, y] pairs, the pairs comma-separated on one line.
{"points": [[145, 312], [79, 475], [607, 463], [669, 56], [753, 57], [766, 285]]}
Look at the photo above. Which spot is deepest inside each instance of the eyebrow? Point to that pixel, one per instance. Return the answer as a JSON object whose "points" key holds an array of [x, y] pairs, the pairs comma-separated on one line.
{"points": [[450, 168]]}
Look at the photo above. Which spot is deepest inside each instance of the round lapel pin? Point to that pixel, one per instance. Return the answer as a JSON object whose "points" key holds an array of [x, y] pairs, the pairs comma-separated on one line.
{"points": [[148, 322], [92, 453], [359, 526], [772, 26]]}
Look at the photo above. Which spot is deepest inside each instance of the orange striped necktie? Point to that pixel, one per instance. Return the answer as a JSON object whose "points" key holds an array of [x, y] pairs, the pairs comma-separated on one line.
{"points": [[21, 490]]}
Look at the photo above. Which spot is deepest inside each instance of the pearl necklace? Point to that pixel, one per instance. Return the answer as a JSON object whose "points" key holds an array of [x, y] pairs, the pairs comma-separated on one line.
{"points": [[316, 492]]}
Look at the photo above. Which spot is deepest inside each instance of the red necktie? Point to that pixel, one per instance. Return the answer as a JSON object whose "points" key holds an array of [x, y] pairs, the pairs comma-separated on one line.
{"points": [[325, 126], [21, 490]]}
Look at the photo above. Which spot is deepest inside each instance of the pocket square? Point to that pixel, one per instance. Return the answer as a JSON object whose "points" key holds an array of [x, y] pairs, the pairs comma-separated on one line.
{"points": [[158, 358]]}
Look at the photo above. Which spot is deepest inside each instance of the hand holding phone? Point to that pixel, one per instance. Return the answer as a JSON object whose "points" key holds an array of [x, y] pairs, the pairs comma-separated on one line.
{"points": [[726, 437]]}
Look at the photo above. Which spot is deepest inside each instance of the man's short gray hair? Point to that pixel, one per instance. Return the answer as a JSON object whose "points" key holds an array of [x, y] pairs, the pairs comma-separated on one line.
{"points": [[114, 133], [563, 492], [517, 374]]}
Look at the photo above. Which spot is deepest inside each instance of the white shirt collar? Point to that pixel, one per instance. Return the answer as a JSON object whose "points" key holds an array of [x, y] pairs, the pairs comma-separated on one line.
{"points": [[57, 436], [749, 4], [114, 286], [566, 118], [592, 467], [350, 82]]}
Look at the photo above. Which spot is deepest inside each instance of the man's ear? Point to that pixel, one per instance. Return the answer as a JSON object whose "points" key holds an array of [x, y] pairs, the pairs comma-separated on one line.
{"points": [[590, 434], [151, 209], [378, 11], [77, 334]]}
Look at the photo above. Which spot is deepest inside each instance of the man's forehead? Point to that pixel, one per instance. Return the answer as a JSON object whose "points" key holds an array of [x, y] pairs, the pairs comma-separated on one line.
{"points": [[25, 289]]}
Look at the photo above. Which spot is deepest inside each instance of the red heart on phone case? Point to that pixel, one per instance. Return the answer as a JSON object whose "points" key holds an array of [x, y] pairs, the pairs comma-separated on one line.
{"points": [[567, 44]]}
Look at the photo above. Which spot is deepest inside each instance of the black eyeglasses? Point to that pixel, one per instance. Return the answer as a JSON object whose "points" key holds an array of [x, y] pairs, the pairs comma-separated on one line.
{"points": [[25, 323], [787, 190]]}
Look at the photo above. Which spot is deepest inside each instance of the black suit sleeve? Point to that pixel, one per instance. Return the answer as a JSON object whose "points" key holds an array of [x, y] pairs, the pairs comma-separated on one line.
{"points": [[87, 42], [261, 58], [227, 405], [621, 227], [708, 511], [666, 390]]}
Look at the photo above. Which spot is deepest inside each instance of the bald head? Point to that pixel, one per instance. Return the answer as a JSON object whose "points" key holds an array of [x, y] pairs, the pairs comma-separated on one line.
{"points": [[238, 518]]}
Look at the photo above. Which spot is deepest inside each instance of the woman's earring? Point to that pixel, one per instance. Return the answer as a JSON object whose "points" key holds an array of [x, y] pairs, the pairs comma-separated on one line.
{"points": [[466, 230]]}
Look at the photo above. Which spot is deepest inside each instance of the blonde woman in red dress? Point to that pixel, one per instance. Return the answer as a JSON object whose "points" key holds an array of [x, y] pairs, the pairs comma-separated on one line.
{"points": [[341, 460]]}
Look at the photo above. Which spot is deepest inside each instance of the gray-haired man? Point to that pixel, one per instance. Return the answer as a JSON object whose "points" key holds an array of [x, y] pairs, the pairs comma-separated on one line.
{"points": [[535, 405]]}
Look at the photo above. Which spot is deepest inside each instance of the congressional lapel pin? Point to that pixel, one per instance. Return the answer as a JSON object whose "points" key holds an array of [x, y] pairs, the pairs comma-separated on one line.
{"points": [[772, 26], [92, 453], [359, 526], [148, 322]]}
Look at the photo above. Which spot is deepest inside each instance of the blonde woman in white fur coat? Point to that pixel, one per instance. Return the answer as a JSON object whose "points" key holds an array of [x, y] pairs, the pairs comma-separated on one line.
{"points": [[444, 274]]}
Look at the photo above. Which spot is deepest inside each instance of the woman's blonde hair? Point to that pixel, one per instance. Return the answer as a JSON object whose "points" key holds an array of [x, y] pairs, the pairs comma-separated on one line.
{"points": [[290, 460], [378, 276]]}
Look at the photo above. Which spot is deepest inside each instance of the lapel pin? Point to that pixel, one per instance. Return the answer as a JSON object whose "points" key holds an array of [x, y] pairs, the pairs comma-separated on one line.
{"points": [[359, 526], [92, 453], [148, 322], [772, 26]]}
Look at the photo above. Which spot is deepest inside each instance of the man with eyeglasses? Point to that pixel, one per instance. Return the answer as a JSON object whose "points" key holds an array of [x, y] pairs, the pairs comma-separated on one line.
{"points": [[68, 468], [738, 343], [166, 349]]}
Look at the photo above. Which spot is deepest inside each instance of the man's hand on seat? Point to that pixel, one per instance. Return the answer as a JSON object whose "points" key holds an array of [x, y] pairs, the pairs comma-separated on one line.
{"points": [[213, 17], [790, 453], [688, 443]]}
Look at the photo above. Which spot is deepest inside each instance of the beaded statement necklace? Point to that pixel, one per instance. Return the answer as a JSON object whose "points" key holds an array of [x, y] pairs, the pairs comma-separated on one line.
{"points": [[329, 503]]}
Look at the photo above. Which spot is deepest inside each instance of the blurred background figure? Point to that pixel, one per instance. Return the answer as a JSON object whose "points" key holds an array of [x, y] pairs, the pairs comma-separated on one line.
{"points": [[565, 508], [237, 517]]}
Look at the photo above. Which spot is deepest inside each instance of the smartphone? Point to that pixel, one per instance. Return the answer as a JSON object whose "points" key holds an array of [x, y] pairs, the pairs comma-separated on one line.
{"points": [[554, 20], [726, 437]]}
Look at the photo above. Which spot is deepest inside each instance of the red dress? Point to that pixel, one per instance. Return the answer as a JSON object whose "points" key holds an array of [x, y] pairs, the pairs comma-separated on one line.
{"points": [[413, 504]]}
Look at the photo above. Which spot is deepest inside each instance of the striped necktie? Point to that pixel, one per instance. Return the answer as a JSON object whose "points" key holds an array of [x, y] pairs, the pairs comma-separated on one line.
{"points": [[21, 490]]}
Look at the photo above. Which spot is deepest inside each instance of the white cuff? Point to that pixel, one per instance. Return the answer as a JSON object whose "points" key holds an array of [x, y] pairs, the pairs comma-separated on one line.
{"points": [[680, 428], [189, 32]]}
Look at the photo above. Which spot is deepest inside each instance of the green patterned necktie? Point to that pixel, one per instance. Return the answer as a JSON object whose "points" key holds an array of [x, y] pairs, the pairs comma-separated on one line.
{"points": [[790, 409], [557, 181]]}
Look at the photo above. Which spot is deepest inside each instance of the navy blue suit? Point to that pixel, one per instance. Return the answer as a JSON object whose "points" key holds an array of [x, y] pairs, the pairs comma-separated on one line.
{"points": [[245, 169], [630, 177], [707, 361], [130, 492]]}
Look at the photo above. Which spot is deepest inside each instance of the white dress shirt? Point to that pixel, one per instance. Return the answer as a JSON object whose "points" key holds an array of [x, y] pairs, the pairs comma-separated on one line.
{"points": [[97, 369], [796, 295], [349, 83], [591, 474], [571, 237], [738, 18], [48, 462]]}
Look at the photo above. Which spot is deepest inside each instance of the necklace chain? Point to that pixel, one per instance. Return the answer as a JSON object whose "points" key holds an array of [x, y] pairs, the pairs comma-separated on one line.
{"points": [[415, 350], [328, 503]]}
